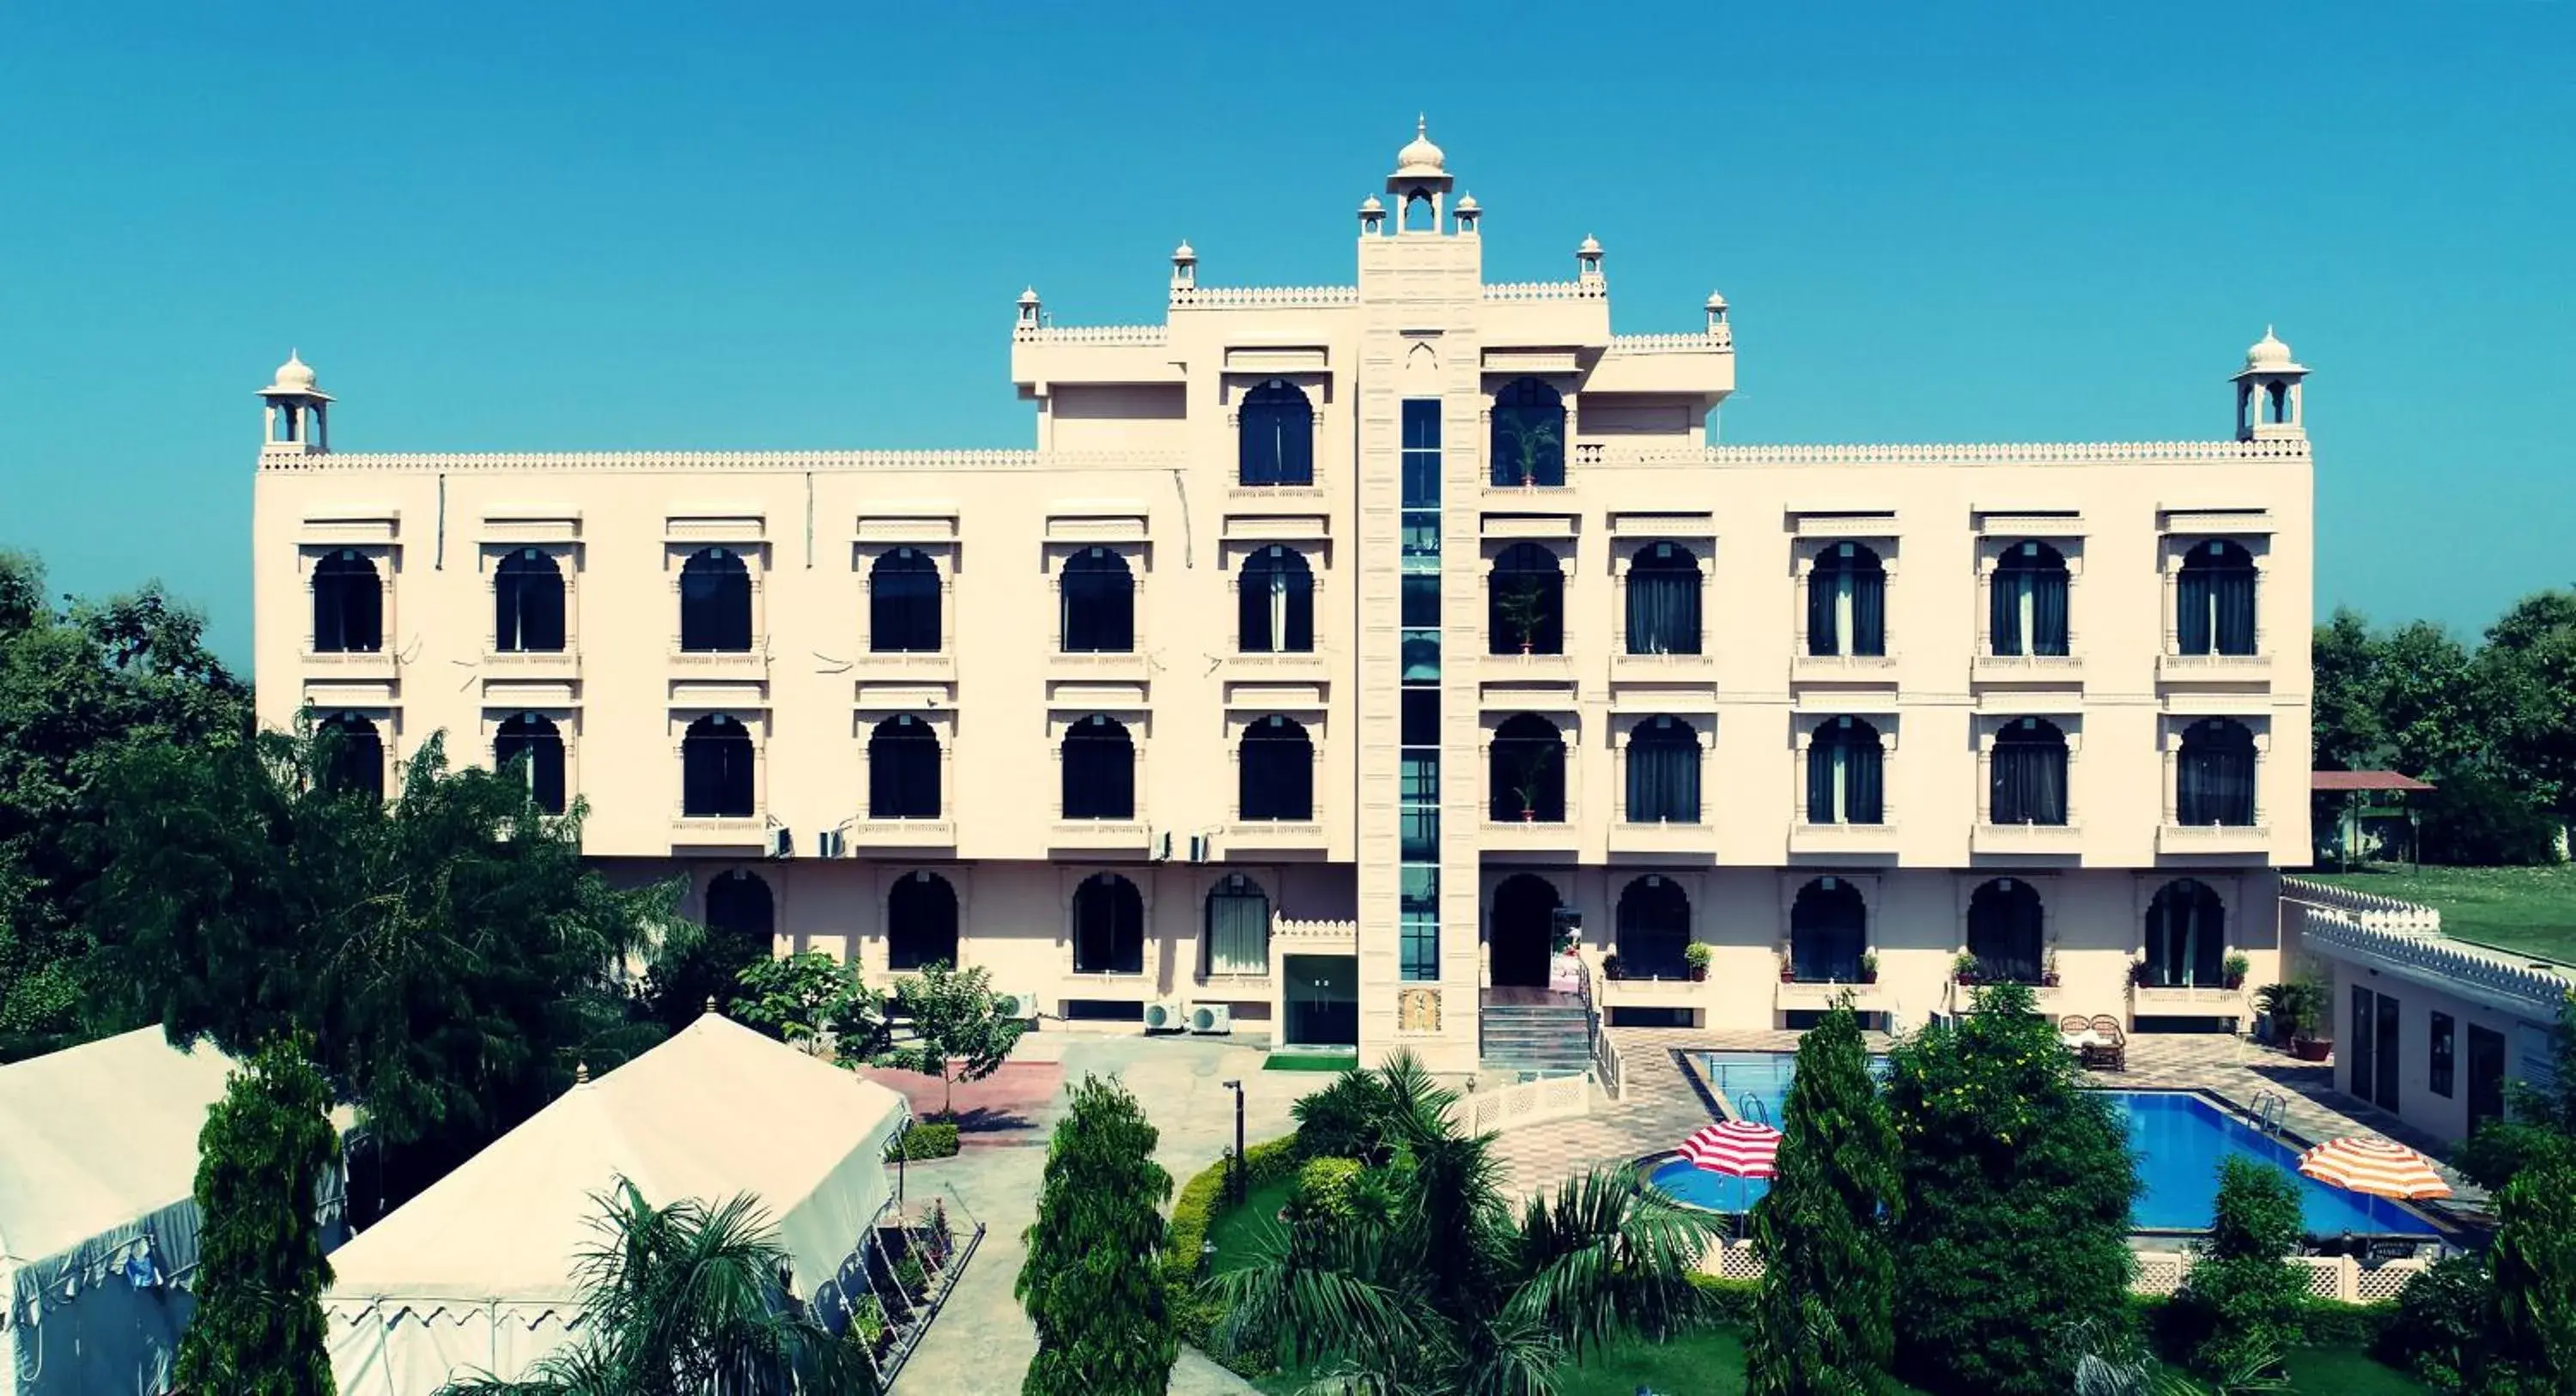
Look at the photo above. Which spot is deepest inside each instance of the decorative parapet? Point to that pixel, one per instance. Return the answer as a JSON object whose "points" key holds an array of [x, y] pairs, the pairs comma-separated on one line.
{"points": [[1547, 291], [1265, 297], [1960, 453], [700, 461], [1717, 341], [2444, 964], [2369, 908], [1141, 335], [1298, 928]]}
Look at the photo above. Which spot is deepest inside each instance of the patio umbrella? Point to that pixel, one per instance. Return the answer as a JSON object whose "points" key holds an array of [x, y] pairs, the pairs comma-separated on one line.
{"points": [[1738, 1149], [2371, 1164]]}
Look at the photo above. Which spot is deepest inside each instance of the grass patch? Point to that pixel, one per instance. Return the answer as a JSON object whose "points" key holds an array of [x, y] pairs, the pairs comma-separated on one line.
{"points": [[1311, 1061], [1240, 1231], [2346, 1372], [2532, 910]]}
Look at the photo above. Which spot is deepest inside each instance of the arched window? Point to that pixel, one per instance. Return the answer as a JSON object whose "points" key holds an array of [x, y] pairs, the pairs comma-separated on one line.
{"points": [[1845, 773], [1278, 771], [352, 755], [1108, 926], [903, 769], [1663, 772], [903, 603], [1099, 770], [2186, 937], [348, 604], [1276, 437], [1663, 600], [1527, 771], [2029, 774], [1521, 930], [1275, 602], [1099, 599], [1654, 927], [2004, 931], [2214, 600], [1525, 602], [1847, 602], [921, 921], [1238, 928], [716, 769], [1529, 434], [527, 604], [535, 745], [715, 603], [739, 904], [2027, 611], [1828, 931], [2214, 777]]}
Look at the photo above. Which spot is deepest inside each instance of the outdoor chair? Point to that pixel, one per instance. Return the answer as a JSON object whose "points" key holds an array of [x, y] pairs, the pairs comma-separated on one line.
{"points": [[2073, 1022], [2113, 1054]]}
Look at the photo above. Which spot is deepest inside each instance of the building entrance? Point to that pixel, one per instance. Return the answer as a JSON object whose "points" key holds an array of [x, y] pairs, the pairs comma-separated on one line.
{"points": [[1323, 993], [1519, 928]]}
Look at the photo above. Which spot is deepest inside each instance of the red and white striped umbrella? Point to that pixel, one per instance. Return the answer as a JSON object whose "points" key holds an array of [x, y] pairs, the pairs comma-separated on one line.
{"points": [[2371, 1164], [1735, 1148]]}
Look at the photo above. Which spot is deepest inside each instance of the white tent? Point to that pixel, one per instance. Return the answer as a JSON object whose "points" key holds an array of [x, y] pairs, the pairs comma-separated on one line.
{"points": [[476, 1274]]}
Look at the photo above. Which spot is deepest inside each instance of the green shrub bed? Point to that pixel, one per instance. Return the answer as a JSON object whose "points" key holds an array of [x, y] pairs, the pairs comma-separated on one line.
{"points": [[924, 1141], [1201, 1200]]}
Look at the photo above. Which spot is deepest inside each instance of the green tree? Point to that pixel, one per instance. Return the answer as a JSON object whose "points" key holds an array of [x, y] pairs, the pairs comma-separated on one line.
{"points": [[2241, 1298], [813, 1001], [2539, 1130], [2017, 1184], [2529, 671], [1822, 1325], [958, 1031], [2531, 1350], [678, 1297], [263, 1158], [2346, 730], [1092, 1281]]}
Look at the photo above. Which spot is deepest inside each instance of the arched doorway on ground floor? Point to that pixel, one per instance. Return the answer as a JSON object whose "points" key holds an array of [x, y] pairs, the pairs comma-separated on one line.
{"points": [[1518, 925]]}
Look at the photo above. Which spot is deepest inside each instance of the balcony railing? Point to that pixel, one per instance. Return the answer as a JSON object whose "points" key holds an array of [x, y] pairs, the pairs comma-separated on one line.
{"points": [[1661, 836], [1843, 838], [901, 833], [2027, 668], [2215, 668], [2026, 838], [1806, 995], [1842, 668], [2213, 838]]}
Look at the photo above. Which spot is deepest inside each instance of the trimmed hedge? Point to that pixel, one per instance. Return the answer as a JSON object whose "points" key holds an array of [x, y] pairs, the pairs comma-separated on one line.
{"points": [[1192, 1214], [1730, 1301], [2321, 1323], [924, 1141]]}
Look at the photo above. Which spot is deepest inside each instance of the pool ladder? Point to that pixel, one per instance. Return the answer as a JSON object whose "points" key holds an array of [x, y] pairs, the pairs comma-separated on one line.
{"points": [[2268, 1106], [1751, 1110]]}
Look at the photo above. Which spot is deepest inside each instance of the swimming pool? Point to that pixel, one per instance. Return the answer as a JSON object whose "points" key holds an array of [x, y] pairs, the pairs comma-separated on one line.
{"points": [[2179, 1139]]}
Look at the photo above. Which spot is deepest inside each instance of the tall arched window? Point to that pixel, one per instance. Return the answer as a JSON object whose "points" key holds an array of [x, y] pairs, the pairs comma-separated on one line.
{"points": [[1654, 928], [348, 604], [353, 755], [1099, 770], [716, 769], [2214, 600], [1663, 772], [1108, 926], [715, 603], [533, 743], [2214, 776], [1828, 931], [1529, 434], [1527, 772], [527, 604], [2186, 940], [1525, 602], [1238, 928], [1278, 771], [1275, 602], [903, 603], [2004, 931], [921, 921], [1847, 602], [1099, 600], [1663, 600], [2027, 612], [1845, 773], [2029, 774], [903, 769], [1276, 441], [738, 904]]}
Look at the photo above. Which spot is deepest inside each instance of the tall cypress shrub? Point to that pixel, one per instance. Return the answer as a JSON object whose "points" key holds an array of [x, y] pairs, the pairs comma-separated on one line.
{"points": [[262, 1159], [1822, 1323], [2532, 1346], [2239, 1304], [1092, 1282]]}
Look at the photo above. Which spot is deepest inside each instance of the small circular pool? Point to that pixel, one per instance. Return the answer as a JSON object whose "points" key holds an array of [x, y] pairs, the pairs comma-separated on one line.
{"points": [[1688, 1183]]}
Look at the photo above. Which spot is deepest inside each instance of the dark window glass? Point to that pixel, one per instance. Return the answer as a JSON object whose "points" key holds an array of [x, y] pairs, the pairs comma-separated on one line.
{"points": [[534, 745], [739, 904], [527, 604], [1278, 771], [1846, 774], [1654, 928], [1529, 434], [1663, 772], [2214, 600], [1108, 926], [348, 605], [2214, 776], [903, 769], [1663, 600], [1275, 603], [2186, 937], [1276, 444], [2028, 610], [1847, 602], [353, 756], [1528, 771], [921, 922], [2442, 1047], [1099, 596], [1828, 931], [715, 603], [716, 769], [1421, 600], [2029, 774], [1421, 721], [1099, 770], [903, 603], [2004, 931], [1526, 602]]}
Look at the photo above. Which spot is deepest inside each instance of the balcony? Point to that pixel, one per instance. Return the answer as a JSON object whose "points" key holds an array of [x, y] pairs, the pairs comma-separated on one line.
{"points": [[1552, 838], [1505, 668], [2235, 670], [1125, 836], [330, 665], [532, 664], [1817, 995], [2047, 999], [2055, 670], [1662, 668], [1653, 993], [2181, 1001], [1662, 837], [2041, 840], [907, 664], [1877, 669], [696, 831], [1851, 840], [719, 664], [933, 835], [2241, 840], [1274, 836]]}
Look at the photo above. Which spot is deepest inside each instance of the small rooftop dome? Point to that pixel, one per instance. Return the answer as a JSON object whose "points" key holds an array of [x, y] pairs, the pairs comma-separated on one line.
{"points": [[2268, 352], [1468, 204], [1184, 252], [1420, 156], [294, 379], [1590, 247], [1716, 301], [1371, 205], [1029, 296]]}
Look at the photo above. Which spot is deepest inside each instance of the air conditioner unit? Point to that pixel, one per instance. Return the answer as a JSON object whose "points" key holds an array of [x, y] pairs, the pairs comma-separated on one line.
{"points": [[1199, 847], [1023, 1006], [1211, 1018], [1163, 1015], [782, 842], [1163, 848], [830, 843]]}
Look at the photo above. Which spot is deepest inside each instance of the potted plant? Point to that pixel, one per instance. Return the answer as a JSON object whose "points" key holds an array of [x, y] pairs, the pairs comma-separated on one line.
{"points": [[1519, 607], [1610, 966], [2298, 1009], [2139, 974], [2235, 969], [1530, 441], [1788, 968], [2048, 969], [1963, 967], [1695, 956], [1531, 765], [1869, 967]]}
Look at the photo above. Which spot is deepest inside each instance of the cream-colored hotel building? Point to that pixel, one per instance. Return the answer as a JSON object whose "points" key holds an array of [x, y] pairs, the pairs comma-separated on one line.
{"points": [[1336, 648]]}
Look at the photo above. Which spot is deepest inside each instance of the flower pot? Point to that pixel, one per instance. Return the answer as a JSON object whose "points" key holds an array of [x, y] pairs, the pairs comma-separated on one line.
{"points": [[2309, 1049], [1869, 976], [1698, 973], [1525, 646], [2235, 982], [1528, 815], [2048, 981], [1788, 975]]}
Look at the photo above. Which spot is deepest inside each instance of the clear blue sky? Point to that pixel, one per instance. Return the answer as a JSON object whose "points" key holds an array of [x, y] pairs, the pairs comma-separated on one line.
{"points": [[785, 225]]}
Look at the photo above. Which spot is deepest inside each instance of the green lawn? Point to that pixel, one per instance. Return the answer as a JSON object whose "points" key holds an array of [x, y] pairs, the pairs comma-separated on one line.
{"points": [[2347, 1372], [1238, 1232], [2527, 909]]}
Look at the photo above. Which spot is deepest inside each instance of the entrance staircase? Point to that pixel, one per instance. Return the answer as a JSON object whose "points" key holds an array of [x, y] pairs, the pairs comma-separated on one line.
{"points": [[1535, 1032]]}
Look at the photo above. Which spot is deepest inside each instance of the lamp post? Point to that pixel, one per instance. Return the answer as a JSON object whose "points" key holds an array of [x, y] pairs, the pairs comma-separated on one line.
{"points": [[1235, 1177]]}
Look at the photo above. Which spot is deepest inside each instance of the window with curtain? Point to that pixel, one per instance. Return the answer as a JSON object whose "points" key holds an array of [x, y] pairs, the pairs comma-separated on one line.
{"points": [[1238, 928], [739, 903], [1525, 602], [1099, 603], [1276, 436], [1845, 773], [348, 604], [1277, 772], [527, 604], [903, 769], [1663, 772], [1526, 778], [921, 921], [2214, 775], [1529, 434], [2214, 600], [1275, 602], [1099, 770], [715, 603], [2004, 931], [2186, 942], [2027, 607], [1828, 930], [716, 769], [533, 745], [1654, 928], [1108, 926], [1663, 600], [353, 755], [903, 603], [1847, 602], [2029, 763]]}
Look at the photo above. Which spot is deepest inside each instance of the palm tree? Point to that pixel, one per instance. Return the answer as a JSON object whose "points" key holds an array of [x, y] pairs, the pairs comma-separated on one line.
{"points": [[688, 1300], [1445, 1291]]}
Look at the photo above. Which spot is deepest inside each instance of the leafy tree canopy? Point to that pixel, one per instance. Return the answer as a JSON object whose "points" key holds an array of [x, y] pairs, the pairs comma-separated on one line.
{"points": [[263, 1161], [1092, 1282], [958, 1031], [813, 1001]]}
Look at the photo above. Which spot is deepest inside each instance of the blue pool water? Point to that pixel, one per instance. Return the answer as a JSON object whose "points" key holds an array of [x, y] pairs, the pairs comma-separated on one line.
{"points": [[2179, 1139]]}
